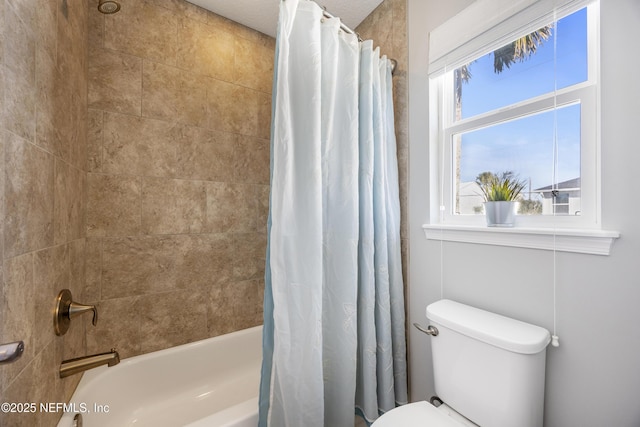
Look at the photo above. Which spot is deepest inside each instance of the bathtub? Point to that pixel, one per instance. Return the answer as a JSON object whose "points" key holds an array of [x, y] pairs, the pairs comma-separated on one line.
{"points": [[209, 383]]}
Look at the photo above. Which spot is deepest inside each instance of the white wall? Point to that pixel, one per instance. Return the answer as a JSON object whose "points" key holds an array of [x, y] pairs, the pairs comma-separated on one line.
{"points": [[593, 378]]}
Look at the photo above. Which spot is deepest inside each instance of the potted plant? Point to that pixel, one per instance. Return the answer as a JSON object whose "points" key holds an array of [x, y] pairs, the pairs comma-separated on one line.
{"points": [[501, 192]]}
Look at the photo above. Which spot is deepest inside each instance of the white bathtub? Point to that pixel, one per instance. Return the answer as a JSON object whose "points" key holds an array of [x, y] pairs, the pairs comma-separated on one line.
{"points": [[209, 383]]}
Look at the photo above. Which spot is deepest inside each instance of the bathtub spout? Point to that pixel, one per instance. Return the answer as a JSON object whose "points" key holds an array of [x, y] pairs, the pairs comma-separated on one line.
{"points": [[81, 364]]}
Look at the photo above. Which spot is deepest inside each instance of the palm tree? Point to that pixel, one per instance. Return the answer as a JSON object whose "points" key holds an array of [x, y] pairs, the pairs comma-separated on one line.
{"points": [[517, 51]]}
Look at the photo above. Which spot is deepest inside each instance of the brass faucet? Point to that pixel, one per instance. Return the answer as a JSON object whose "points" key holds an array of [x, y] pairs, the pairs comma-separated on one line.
{"points": [[81, 364]]}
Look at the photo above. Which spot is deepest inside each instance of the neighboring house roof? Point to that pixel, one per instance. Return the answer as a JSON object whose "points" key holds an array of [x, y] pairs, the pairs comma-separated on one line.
{"points": [[572, 184]]}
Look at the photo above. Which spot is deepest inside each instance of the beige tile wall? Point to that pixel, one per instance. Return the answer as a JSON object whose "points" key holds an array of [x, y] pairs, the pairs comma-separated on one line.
{"points": [[43, 134], [152, 201], [387, 27], [178, 182]]}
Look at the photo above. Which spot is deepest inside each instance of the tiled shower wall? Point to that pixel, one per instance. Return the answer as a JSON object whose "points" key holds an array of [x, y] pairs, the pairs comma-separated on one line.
{"points": [[43, 134], [175, 200], [178, 182]]}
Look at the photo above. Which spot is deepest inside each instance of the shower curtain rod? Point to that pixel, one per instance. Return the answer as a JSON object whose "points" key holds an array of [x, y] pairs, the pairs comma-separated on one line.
{"points": [[348, 30], [343, 27]]}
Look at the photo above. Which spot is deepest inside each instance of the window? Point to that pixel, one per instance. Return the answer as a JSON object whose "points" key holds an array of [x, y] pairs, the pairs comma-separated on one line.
{"points": [[524, 101]]}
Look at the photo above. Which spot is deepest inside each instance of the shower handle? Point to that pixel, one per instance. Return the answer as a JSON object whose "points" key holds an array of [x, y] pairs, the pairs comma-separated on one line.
{"points": [[66, 309]]}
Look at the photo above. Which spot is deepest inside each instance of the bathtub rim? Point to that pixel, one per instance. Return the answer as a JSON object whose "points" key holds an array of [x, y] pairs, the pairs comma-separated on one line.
{"points": [[96, 373]]}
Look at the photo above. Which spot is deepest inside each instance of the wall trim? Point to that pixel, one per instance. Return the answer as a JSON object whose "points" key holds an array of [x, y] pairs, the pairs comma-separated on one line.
{"points": [[595, 242]]}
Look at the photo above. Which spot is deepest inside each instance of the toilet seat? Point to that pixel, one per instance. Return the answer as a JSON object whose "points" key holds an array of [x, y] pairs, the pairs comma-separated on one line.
{"points": [[421, 414]]}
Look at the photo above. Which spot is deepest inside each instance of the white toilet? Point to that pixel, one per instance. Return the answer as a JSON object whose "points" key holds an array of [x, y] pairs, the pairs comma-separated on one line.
{"points": [[488, 371]]}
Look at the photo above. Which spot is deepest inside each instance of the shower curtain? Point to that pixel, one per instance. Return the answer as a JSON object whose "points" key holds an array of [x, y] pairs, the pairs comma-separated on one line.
{"points": [[333, 340]]}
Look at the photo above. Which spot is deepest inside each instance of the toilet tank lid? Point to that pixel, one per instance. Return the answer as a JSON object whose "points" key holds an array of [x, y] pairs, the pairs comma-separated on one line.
{"points": [[500, 331]]}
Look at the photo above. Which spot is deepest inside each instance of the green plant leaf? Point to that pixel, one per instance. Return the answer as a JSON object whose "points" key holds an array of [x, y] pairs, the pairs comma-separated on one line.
{"points": [[504, 187]]}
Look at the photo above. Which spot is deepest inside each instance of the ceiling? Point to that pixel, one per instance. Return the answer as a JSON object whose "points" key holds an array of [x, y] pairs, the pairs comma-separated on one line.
{"points": [[262, 15]]}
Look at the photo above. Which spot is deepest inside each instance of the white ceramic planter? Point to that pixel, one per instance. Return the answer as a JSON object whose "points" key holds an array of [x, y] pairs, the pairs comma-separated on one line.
{"points": [[500, 214]]}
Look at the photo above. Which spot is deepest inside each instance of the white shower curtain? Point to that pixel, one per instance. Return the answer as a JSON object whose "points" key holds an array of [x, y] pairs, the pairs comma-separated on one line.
{"points": [[334, 307]]}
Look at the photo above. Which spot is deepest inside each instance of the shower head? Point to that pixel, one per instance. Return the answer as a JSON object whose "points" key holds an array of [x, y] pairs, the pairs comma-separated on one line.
{"points": [[108, 6]]}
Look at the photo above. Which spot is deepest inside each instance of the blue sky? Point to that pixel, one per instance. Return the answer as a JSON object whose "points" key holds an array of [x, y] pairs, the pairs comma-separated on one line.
{"points": [[525, 146]]}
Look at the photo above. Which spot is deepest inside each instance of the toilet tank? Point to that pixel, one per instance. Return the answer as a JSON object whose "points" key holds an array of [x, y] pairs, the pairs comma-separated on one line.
{"points": [[488, 367]]}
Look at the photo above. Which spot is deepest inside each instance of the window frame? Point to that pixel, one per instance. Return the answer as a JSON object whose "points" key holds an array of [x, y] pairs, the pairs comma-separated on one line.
{"points": [[443, 126]]}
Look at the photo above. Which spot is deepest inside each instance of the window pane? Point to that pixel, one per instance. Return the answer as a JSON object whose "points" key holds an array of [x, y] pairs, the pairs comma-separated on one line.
{"points": [[561, 204], [503, 78], [524, 146]]}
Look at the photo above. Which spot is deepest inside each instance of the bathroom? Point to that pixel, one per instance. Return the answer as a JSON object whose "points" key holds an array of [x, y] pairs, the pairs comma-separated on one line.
{"points": [[145, 228]]}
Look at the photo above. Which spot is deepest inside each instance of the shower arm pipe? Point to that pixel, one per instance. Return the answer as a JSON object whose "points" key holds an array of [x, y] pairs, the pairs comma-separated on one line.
{"points": [[343, 27]]}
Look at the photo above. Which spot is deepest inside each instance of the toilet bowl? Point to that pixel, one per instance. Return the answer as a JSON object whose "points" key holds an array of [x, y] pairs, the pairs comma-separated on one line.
{"points": [[421, 414]]}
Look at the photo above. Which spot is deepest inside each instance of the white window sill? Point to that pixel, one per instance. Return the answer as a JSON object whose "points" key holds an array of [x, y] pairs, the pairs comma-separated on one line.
{"points": [[596, 242]]}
